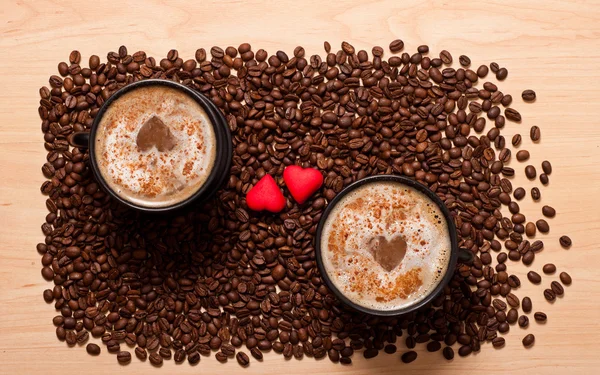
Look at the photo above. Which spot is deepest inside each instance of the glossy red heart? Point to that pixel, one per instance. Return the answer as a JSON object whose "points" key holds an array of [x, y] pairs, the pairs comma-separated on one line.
{"points": [[265, 195], [302, 183]]}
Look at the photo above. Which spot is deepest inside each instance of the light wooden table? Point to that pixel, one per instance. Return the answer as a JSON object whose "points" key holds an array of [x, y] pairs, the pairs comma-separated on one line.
{"points": [[550, 46]]}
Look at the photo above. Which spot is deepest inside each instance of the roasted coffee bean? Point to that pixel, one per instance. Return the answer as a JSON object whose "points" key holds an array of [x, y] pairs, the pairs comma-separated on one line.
{"points": [[526, 304], [548, 211], [165, 353], [540, 316], [544, 179], [92, 349], [94, 62], [565, 241], [535, 194], [512, 115], [347, 48], [528, 258], [537, 246], [522, 155], [156, 359], [530, 172], [565, 278], [513, 207], [549, 294], [193, 358], [512, 316], [514, 255], [179, 356], [200, 55], [58, 320], [547, 167], [446, 57], [503, 327], [512, 300], [482, 71], [465, 350], [124, 357], [528, 340], [542, 226], [61, 333], [113, 346], [528, 95], [396, 46], [141, 353], [502, 74], [390, 349], [504, 156], [242, 359], [534, 277], [557, 288], [433, 346], [516, 140], [498, 342], [464, 60], [423, 49], [48, 297], [514, 281], [370, 353], [256, 353], [523, 321], [499, 304], [409, 356], [345, 360], [519, 193], [549, 268], [82, 337], [535, 134], [448, 353]]}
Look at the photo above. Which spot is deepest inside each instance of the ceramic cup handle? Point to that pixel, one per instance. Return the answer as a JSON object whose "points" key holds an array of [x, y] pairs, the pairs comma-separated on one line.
{"points": [[80, 139]]}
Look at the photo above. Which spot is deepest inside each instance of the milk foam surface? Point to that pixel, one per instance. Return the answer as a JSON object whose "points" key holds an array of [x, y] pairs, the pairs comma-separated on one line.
{"points": [[152, 178], [385, 209]]}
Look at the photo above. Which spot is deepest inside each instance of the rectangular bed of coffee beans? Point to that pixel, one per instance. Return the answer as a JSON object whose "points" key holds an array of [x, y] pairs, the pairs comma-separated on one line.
{"points": [[222, 280]]}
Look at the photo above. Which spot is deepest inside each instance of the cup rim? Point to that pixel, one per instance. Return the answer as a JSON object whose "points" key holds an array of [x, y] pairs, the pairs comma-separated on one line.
{"points": [[222, 136], [454, 249]]}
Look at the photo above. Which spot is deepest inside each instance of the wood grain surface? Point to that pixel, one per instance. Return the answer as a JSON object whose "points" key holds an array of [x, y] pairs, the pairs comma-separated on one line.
{"points": [[550, 46]]}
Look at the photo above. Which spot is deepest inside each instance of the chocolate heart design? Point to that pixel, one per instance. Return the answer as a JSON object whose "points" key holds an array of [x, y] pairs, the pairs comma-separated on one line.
{"points": [[388, 254], [155, 133]]}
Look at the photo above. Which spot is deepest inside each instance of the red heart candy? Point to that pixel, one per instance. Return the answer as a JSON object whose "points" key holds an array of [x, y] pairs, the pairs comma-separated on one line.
{"points": [[301, 182], [265, 195]]}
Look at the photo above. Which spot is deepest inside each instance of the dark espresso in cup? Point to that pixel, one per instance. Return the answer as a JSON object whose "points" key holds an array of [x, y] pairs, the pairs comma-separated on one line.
{"points": [[155, 146], [385, 246]]}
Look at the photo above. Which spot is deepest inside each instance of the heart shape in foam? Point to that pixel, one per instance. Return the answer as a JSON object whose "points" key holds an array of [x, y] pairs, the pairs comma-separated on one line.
{"points": [[265, 195], [388, 254], [301, 182], [155, 133]]}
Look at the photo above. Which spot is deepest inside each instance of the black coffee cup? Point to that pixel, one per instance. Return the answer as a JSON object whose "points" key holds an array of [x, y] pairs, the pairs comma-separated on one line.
{"points": [[464, 255], [224, 148]]}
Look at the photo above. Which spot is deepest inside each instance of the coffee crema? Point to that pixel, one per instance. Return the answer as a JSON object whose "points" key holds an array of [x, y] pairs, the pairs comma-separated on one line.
{"points": [[385, 246], [155, 146]]}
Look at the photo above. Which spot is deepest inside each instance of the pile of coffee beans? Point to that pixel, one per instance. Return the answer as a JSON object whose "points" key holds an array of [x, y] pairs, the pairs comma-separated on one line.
{"points": [[219, 279]]}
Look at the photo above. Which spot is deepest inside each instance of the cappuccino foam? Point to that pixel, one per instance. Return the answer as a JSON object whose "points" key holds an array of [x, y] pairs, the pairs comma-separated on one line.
{"points": [[376, 276], [160, 172]]}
